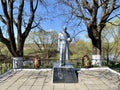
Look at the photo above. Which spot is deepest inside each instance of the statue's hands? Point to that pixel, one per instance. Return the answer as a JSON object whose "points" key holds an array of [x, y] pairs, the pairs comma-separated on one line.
{"points": [[69, 39]]}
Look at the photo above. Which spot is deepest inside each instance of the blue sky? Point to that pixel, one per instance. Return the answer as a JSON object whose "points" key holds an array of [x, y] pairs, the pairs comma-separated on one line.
{"points": [[51, 19], [57, 22]]}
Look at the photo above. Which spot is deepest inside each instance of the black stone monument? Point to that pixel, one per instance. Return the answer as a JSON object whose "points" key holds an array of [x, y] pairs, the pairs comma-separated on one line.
{"points": [[64, 74]]}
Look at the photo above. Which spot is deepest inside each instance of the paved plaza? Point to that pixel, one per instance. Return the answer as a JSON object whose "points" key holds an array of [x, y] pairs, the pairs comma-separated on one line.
{"points": [[98, 79]]}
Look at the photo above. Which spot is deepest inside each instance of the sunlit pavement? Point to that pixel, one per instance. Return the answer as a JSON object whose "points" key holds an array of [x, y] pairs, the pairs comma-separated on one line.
{"points": [[96, 79]]}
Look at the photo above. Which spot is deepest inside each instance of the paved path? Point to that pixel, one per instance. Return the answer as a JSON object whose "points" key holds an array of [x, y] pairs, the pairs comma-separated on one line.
{"points": [[42, 80]]}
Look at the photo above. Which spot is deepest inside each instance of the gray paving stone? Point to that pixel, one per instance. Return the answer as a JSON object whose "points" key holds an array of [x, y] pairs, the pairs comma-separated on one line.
{"points": [[47, 88], [38, 83], [25, 88], [36, 88], [81, 87], [42, 80], [70, 87]]}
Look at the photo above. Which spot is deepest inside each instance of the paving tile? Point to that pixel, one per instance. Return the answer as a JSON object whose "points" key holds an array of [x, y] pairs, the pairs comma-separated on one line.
{"points": [[25, 88], [42, 80], [103, 87], [92, 87], [13, 88], [97, 82], [70, 87], [81, 87], [38, 83], [4, 87], [115, 87], [59, 86], [17, 84], [47, 88], [88, 82], [36, 88], [28, 83]]}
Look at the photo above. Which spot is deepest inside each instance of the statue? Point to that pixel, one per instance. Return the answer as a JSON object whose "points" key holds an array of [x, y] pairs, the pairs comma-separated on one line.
{"points": [[64, 72], [63, 46]]}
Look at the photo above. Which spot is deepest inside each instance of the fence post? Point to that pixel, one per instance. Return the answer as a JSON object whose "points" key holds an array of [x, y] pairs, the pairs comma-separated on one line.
{"points": [[18, 62]]}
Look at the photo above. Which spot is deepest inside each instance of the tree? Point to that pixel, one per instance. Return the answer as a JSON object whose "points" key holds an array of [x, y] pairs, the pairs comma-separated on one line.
{"points": [[110, 41], [107, 41], [1, 46], [80, 48], [15, 19], [94, 14], [46, 42]]}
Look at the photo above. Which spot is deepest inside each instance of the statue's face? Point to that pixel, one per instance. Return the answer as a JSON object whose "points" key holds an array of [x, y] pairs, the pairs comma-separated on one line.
{"points": [[65, 29]]}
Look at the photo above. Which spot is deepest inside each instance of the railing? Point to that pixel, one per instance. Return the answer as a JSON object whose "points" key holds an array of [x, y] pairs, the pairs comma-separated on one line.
{"points": [[28, 64], [5, 66], [44, 63]]}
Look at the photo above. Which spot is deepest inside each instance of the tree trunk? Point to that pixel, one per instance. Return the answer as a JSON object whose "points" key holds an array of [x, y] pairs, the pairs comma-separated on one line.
{"points": [[95, 36], [96, 43], [16, 46], [20, 48]]}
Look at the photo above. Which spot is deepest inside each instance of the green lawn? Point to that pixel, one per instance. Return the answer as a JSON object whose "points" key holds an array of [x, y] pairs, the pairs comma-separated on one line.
{"points": [[116, 67]]}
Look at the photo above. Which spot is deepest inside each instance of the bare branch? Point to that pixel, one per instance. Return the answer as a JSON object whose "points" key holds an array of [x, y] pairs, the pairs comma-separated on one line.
{"points": [[114, 24], [36, 5], [114, 17], [32, 10], [2, 39], [86, 5], [19, 18], [107, 13], [4, 6], [2, 19], [36, 23], [38, 45], [81, 11], [14, 22]]}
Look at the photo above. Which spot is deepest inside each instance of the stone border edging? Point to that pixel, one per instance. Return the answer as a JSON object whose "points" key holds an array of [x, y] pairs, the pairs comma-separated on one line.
{"points": [[6, 75], [32, 69], [101, 68]]}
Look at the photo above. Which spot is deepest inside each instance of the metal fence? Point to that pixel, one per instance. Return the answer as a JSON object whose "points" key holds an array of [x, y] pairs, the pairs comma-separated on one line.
{"points": [[5, 66], [28, 64], [44, 63]]}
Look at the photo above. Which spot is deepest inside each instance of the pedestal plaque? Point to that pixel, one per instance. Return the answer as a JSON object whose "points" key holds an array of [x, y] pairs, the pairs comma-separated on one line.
{"points": [[64, 74]]}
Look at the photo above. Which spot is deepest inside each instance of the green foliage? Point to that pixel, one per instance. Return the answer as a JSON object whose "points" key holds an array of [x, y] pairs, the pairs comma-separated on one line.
{"points": [[46, 65], [80, 48], [77, 64], [28, 66], [43, 42], [4, 50], [111, 40], [115, 66], [4, 67]]}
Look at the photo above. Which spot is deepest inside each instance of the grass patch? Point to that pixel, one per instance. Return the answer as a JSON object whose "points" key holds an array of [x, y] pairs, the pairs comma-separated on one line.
{"points": [[116, 67]]}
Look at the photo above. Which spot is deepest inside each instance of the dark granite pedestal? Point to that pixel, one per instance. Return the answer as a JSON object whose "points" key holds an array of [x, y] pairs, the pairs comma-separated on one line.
{"points": [[64, 74]]}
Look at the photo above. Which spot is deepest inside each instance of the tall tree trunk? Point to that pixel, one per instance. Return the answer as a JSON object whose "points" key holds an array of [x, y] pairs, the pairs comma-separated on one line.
{"points": [[20, 45], [16, 46], [96, 43], [94, 33]]}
